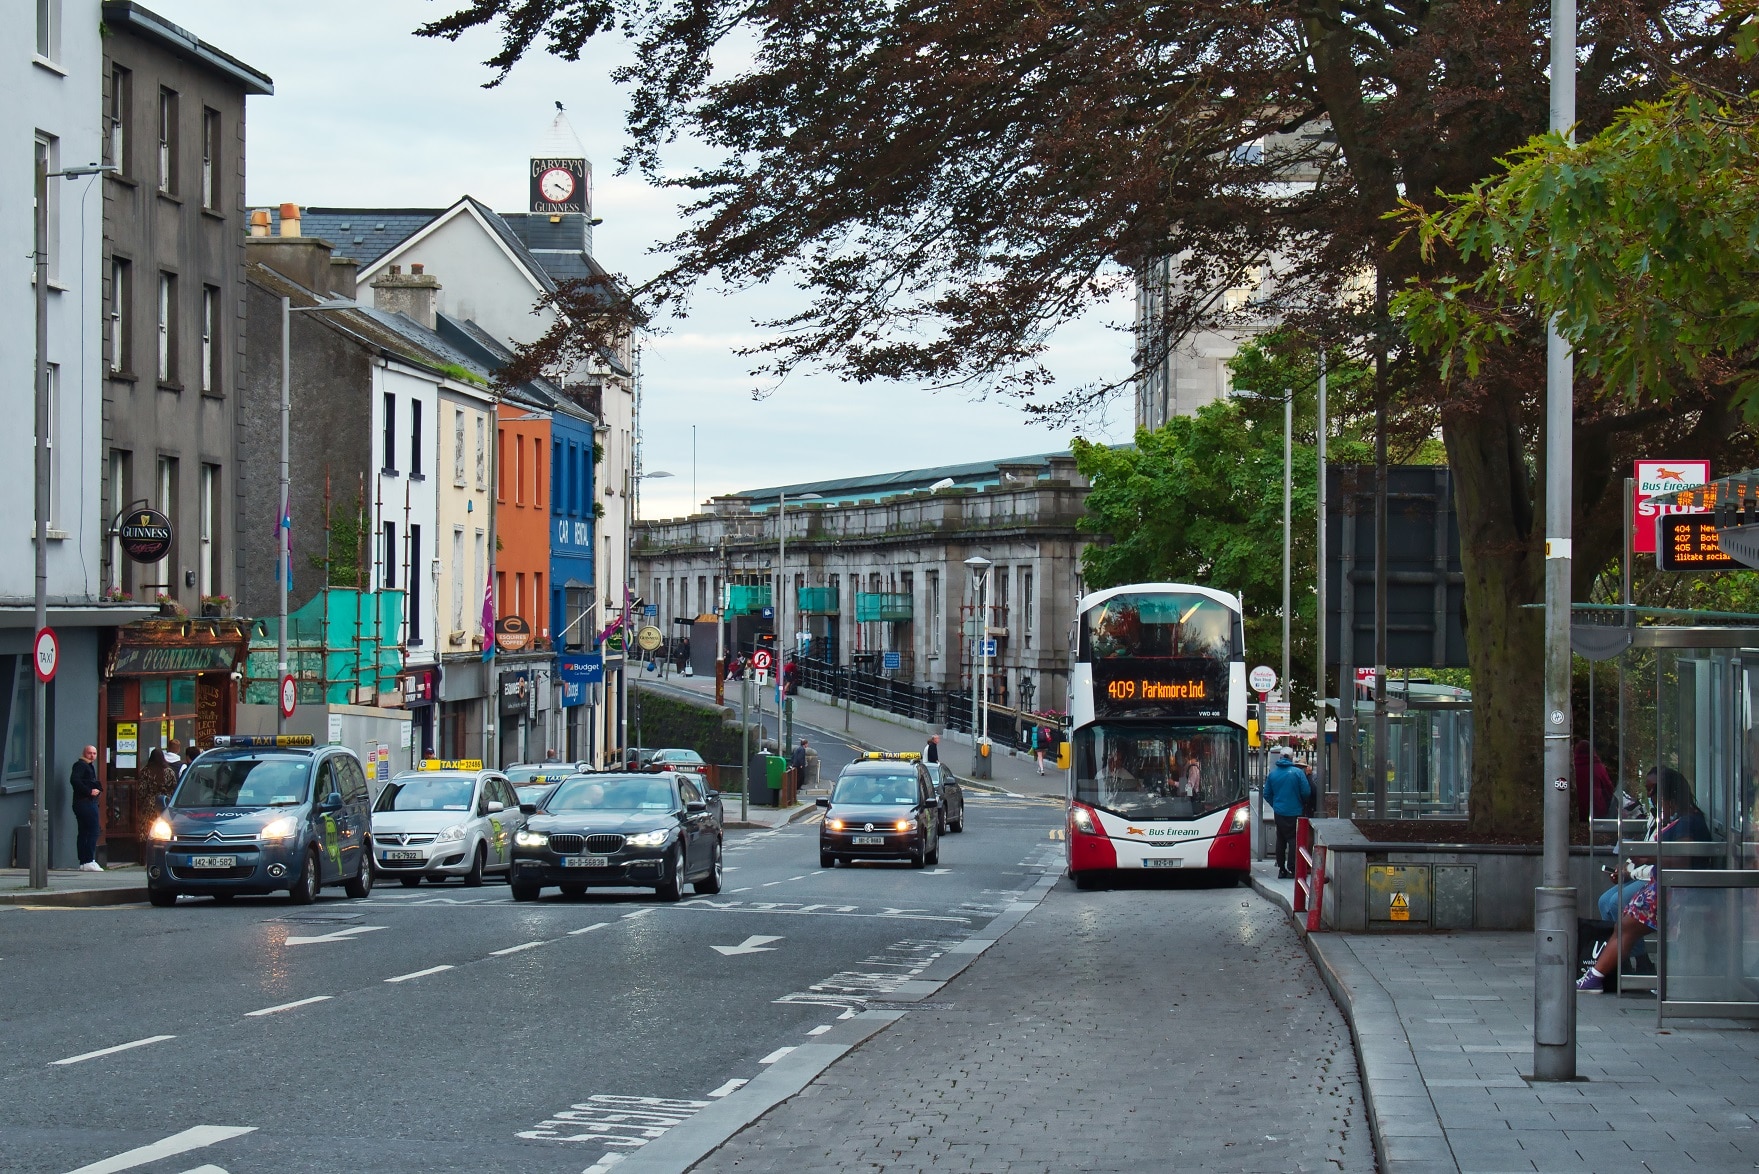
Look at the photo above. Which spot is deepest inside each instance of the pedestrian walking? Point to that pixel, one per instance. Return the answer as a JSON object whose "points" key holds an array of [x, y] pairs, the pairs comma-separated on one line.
{"points": [[932, 751], [86, 792], [797, 760], [174, 758], [1286, 789], [1038, 741], [157, 778]]}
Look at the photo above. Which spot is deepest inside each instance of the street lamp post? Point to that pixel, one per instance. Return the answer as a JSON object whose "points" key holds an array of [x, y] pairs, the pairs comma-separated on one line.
{"points": [[629, 591], [980, 766], [781, 600], [39, 878]]}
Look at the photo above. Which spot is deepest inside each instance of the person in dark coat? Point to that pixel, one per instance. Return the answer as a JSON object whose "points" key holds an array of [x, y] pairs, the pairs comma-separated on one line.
{"points": [[158, 778], [1286, 789], [86, 793]]}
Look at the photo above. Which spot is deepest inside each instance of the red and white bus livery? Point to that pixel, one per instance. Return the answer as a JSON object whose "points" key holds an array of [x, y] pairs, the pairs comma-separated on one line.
{"points": [[1157, 774]]}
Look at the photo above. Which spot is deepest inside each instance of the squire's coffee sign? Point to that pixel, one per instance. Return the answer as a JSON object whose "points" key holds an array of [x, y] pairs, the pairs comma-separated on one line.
{"points": [[1651, 478]]}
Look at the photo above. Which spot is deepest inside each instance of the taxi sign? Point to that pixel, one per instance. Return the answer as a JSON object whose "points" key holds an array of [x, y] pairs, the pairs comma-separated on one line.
{"points": [[894, 756], [263, 740], [451, 764]]}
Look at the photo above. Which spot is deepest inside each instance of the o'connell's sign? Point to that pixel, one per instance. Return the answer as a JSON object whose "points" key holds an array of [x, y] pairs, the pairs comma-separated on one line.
{"points": [[145, 535], [1687, 542]]}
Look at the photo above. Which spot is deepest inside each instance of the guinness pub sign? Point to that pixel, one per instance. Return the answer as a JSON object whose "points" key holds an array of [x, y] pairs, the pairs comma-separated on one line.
{"points": [[145, 535]]}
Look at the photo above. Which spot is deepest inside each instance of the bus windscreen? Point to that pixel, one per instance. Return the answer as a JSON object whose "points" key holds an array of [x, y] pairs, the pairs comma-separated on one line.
{"points": [[1159, 771], [1160, 626]]}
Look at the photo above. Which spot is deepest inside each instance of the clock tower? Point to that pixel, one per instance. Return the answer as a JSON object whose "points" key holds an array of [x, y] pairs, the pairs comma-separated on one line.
{"points": [[561, 186]]}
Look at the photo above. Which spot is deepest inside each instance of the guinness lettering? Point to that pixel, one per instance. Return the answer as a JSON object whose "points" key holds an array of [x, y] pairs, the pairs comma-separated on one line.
{"points": [[145, 535]]}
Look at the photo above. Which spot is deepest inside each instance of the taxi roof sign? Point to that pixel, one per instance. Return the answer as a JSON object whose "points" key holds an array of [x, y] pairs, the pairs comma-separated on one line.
{"points": [[451, 764], [263, 740], [894, 756]]}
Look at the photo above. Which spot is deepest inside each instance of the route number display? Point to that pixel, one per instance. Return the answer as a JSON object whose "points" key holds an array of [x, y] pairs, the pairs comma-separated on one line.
{"points": [[1687, 542]]}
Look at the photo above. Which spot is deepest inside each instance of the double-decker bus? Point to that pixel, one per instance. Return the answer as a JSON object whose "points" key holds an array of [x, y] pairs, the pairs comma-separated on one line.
{"points": [[1157, 776]]}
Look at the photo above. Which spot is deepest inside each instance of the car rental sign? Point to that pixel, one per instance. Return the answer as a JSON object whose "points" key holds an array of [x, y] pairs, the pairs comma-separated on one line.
{"points": [[1650, 478]]}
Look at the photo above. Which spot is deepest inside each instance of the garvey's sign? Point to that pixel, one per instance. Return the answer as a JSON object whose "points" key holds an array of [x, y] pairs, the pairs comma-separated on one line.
{"points": [[1651, 478]]}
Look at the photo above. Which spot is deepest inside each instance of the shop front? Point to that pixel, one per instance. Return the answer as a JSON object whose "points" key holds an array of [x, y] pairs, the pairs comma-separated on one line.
{"points": [[421, 692], [465, 721], [164, 681]]}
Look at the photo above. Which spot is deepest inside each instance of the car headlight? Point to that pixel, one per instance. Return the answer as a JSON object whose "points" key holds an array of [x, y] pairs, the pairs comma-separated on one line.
{"points": [[279, 829], [905, 825], [527, 839], [836, 825], [160, 830], [455, 832], [651, 839]]}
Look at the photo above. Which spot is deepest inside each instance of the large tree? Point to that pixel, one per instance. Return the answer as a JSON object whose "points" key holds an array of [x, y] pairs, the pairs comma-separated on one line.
{"points": [[952, 179]]}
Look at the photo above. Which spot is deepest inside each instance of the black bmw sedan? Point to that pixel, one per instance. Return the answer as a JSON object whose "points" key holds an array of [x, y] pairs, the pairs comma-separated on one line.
{"points": [[881, 809], [658, 831]]}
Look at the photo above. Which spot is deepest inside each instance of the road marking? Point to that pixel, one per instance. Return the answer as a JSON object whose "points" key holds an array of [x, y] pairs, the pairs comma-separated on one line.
{"points": [[617, 1123], [731, 1087], [516, 949], [340, 935], [196, 1138], [588, 928], [603, 1165], [755, 944], [937, 872], [419, 973], [820, 1029], [746, 889], [139, 1043], [768, 884], [289, 1006], [776, 1055], [802, 876], [637, 913], [818, 872]]}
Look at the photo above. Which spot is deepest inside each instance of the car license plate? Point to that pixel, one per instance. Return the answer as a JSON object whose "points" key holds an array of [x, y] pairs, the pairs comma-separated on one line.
{"points": [[394, 855], [1163, 862], [585, 861], [213, 862], [868, 840]]}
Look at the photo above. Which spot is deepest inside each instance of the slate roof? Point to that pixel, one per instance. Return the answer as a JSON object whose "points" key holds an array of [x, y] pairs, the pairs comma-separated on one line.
{"points": [[490, 353], [971, 475], [364, 234]]}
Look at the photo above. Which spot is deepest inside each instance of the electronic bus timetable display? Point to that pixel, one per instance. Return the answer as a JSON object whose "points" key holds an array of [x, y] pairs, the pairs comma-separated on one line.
{"points": [[1176, 688]]}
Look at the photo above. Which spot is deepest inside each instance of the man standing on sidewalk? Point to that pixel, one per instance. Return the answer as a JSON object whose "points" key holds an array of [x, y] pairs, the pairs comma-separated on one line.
{"points": [[85, 807], [932, 751], [1286, 789]]}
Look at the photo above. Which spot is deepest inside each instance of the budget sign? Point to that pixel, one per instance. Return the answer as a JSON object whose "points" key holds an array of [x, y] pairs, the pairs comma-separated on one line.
{"points": [[1652, 477]]}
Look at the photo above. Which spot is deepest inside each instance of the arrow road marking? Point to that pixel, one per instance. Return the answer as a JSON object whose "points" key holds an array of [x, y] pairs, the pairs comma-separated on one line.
{"points": [[755, 944], [340, 935], [178, 1143]]}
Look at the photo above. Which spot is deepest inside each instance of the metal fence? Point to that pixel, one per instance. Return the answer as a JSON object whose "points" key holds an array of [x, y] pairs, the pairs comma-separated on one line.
{"points": [[937, 707]]}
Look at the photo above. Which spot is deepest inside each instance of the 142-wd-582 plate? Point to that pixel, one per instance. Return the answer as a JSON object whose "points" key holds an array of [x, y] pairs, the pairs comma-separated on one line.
{"points": [[213, 862]]}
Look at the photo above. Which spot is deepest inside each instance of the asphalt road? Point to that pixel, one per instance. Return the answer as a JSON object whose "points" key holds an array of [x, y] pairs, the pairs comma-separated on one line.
{"points": [[450, 1029]]}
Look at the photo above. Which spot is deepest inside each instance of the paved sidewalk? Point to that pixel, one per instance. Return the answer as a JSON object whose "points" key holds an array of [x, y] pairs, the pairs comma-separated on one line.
{"points": [[1444, 1031], [1011, 771], [69, 887]]}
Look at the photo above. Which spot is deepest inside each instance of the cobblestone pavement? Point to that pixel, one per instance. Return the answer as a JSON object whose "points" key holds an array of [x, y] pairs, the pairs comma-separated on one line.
{"points": [[1159, 1027]]}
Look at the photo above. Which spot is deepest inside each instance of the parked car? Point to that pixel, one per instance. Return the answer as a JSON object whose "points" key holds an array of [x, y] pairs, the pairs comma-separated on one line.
{"points": [[660, 831], [447, 819], [257, 814], [637, 757], [951, 794], [688, 761], [881, 808], [532, 782]]}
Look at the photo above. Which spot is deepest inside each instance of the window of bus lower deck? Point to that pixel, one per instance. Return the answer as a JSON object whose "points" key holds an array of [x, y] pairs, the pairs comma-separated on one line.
{"points": [[1160, 771]]}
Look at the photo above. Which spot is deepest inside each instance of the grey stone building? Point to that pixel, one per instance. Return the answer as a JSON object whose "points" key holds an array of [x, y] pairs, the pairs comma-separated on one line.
{"points": [[876, 565], [173, 309]]}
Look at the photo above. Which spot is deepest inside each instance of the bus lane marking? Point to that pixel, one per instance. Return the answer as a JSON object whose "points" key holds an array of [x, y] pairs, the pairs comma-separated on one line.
{"points": [[618, 1123], [111, 1051]]}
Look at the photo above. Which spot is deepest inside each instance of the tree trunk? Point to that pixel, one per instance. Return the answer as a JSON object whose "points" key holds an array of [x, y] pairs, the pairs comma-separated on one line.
{"points": [[1500, 553]]}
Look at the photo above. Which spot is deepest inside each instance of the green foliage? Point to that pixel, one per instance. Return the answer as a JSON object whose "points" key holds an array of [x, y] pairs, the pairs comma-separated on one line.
{"points": [[463, 374], [672, 721], [346, 546], [1641, 241]]}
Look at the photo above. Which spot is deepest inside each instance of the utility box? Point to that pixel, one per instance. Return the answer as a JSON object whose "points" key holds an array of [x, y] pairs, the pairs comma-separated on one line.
{"points": [[1456, 896], [1398, 896]]}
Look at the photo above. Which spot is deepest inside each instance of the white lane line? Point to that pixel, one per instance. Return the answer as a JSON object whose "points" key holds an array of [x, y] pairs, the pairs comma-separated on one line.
{"points": [[818, 872], [637, 913], [802, 876], [776, 1055], [820, 1029], [588, 928], [746, 889], [516, 949], [178, 1143], [419, 973], [139, 1043], [767, 884], [289, 1006]]}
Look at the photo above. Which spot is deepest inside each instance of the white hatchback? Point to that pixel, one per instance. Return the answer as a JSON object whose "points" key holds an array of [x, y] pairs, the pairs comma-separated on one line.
{"points": [[445, 823]]}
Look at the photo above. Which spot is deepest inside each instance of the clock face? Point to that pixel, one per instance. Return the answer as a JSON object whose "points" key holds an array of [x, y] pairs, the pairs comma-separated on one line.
{"points": [[556, 184]]}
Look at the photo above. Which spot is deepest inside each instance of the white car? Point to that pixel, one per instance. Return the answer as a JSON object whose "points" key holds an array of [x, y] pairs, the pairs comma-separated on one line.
{"points": [[443, 821]]}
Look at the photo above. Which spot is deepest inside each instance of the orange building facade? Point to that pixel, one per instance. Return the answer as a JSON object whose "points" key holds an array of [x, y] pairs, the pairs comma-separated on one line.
{"points": [[522, 563]]}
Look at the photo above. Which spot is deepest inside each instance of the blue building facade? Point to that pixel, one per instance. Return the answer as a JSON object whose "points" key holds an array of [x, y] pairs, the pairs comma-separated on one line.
{"points": [[572, 527]]}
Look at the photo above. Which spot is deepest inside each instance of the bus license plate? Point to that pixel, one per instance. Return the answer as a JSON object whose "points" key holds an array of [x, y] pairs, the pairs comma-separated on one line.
{"points": [[394, 856], [874, 840], [213, 862], [585, 861], [1163, 862]]}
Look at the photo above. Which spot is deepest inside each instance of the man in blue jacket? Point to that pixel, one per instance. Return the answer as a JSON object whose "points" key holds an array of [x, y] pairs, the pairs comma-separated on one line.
{"points": [[1286, 789]]}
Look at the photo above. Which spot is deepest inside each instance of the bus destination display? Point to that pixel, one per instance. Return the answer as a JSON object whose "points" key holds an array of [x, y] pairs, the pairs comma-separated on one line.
{"points": [[1177, 687], [1687, 542]]}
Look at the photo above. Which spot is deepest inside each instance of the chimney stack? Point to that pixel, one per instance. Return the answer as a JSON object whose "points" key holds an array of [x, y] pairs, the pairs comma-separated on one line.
{"points": [[304, 259], [259, 222], [289, 219], [412, 295]]}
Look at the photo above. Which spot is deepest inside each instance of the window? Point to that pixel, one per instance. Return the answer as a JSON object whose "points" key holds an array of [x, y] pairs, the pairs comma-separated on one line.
{"points": [[121, 337], [934, 613], [210, 340], [537, 604], [49, 442], [167, 328], [537, 472], [121, 495], [558, 471], [210, 159], [48, 157], [458, 575], [389, 464], [458, 456], [480, 576], [412, 605], [415, 438], [211, 508], [49, 29], [500, 596], [168, 141], [518, 469], [120, 110], [500, 464], [1026, 606], [388, 558], [167, 505], [482, 480]]}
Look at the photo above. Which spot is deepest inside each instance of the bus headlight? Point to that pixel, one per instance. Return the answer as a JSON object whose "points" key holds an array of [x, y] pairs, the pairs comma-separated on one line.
{"points": [[1082, 821], [1242, 817]]}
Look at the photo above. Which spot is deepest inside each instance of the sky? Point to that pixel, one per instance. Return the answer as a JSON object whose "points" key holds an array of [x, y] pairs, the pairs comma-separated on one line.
{"points": [[366, 114]]}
